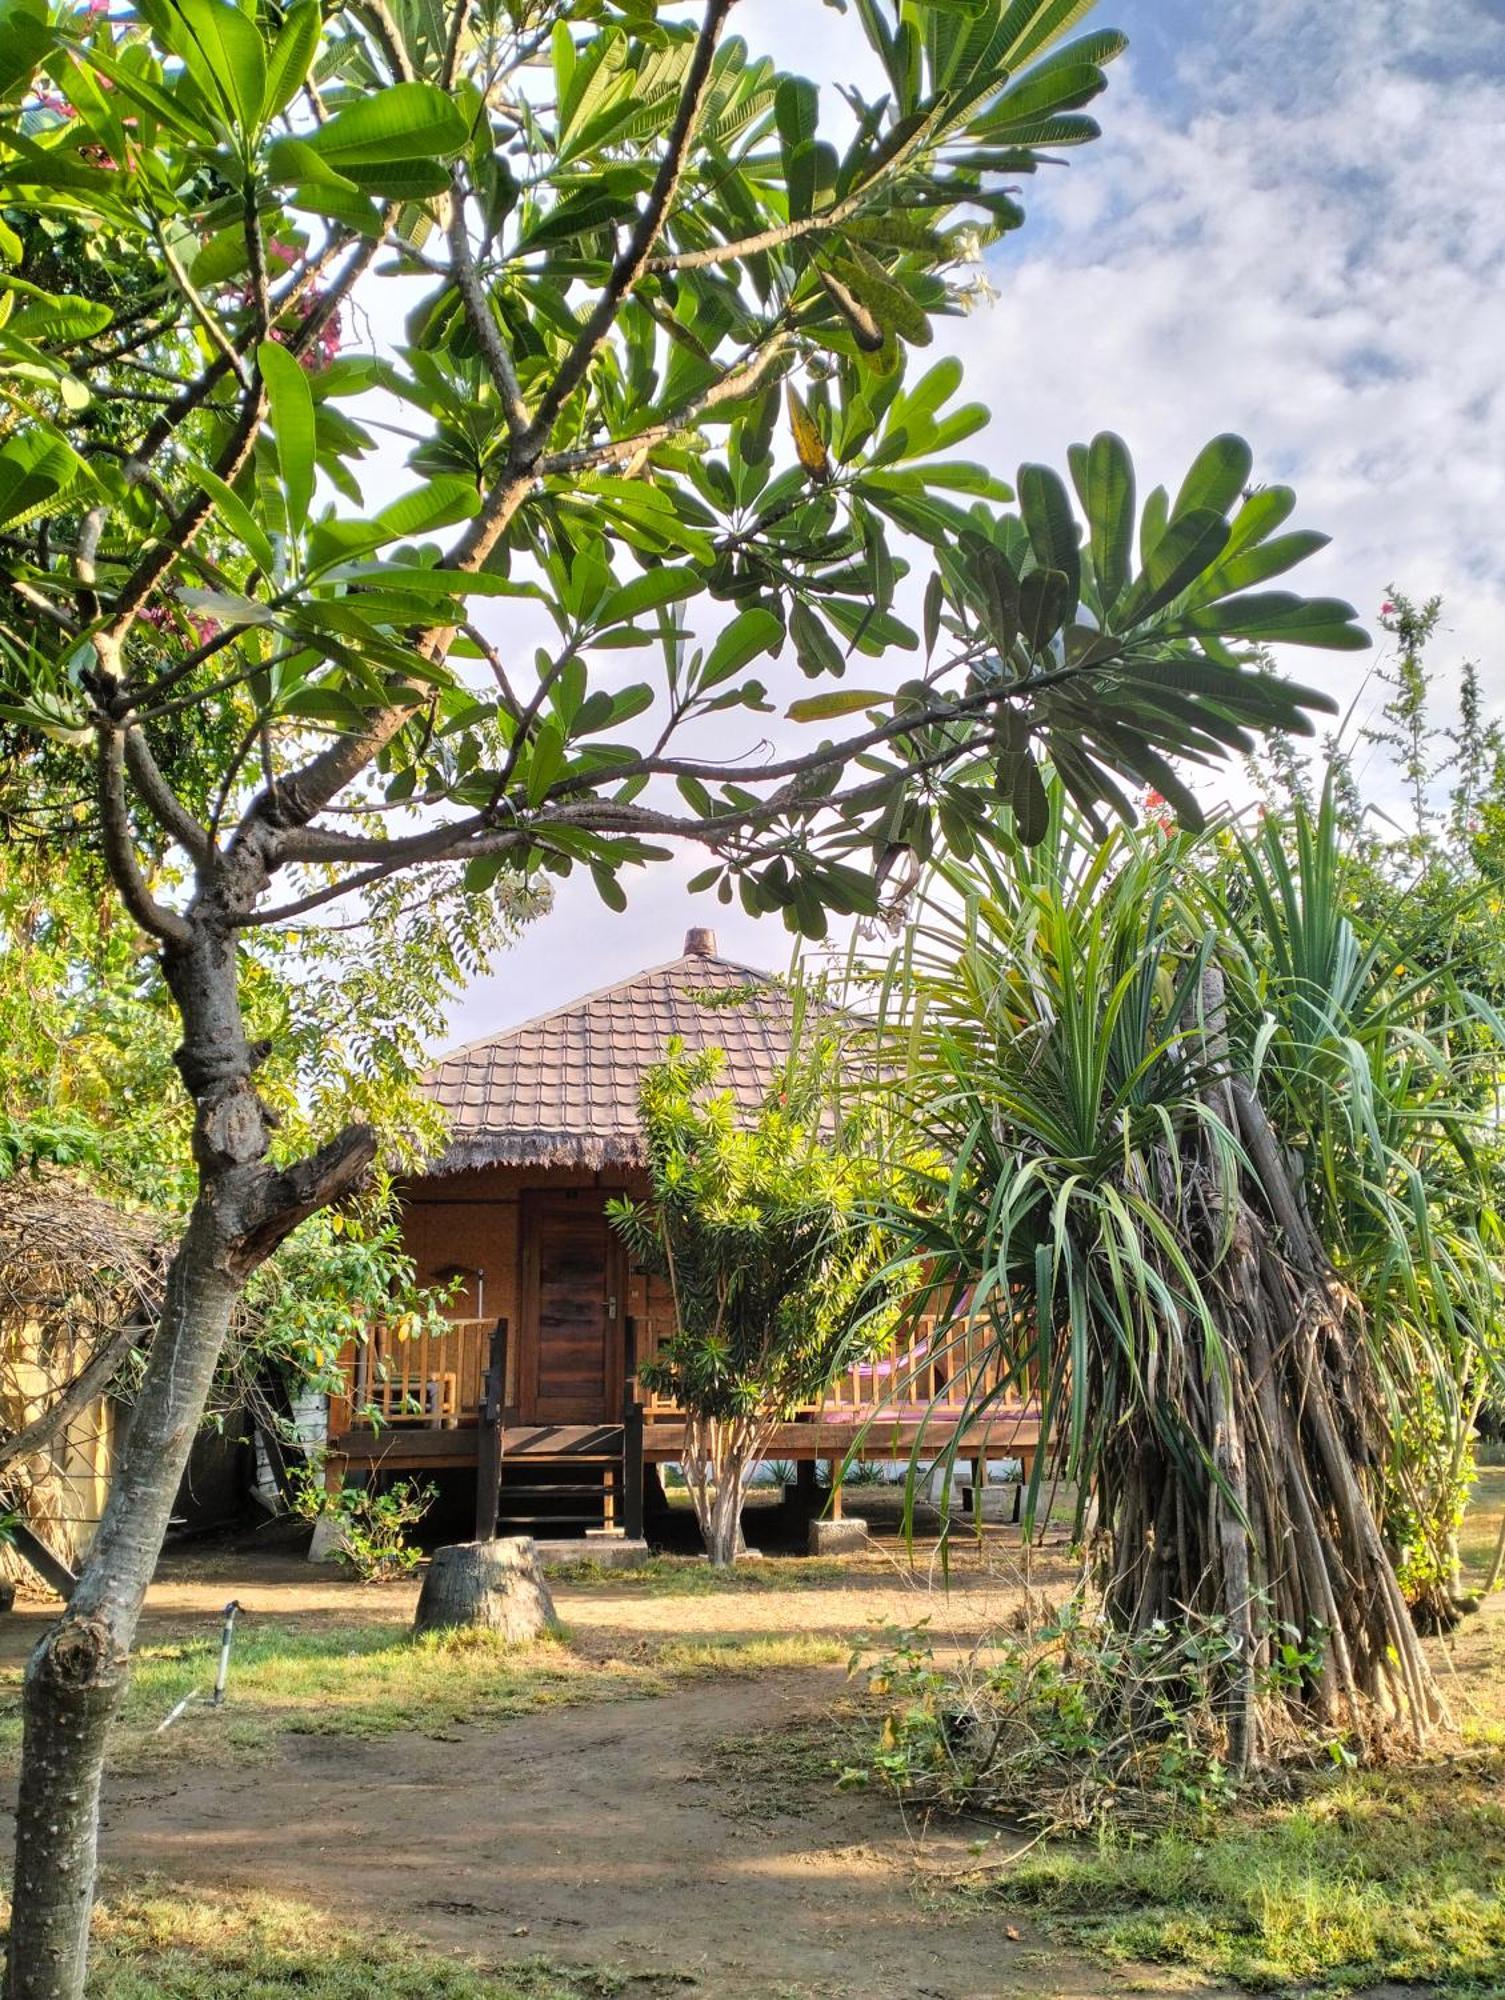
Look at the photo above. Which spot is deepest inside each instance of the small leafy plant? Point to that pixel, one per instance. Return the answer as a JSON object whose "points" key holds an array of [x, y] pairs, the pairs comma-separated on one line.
{"points": [[1077, 1727], [372, 1524]]}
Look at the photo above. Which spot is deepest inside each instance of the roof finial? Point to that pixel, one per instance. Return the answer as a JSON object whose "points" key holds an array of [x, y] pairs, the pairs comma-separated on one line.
{"points": [[699, 942]]}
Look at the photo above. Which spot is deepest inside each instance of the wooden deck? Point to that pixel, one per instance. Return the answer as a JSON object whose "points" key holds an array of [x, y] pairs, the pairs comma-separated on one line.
{"points": [[418, 1403]]}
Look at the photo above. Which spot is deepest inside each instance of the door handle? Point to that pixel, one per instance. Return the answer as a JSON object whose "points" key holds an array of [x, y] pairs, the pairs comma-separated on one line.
{"points": [[611, 1308]]}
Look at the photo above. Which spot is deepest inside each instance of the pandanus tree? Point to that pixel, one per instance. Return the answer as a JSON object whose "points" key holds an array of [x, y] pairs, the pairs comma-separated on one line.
{"points": [[643, 317], [1210, 1186]]}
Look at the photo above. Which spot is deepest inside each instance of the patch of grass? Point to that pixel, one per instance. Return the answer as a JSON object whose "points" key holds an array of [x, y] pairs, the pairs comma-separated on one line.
{"points": [[363, 1680], [1481, 1527], [1368, 1877], [160, 1943], [688, 1576], [752, 1652], [373, 1680]]}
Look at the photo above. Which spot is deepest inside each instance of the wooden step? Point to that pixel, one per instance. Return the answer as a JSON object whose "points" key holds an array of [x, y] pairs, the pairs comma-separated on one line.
{"points": [[535, 1441]]}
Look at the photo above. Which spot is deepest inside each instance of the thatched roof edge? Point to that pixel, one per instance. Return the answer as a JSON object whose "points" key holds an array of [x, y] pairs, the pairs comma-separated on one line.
{"points": [[60, 1241], [540, 1149]]}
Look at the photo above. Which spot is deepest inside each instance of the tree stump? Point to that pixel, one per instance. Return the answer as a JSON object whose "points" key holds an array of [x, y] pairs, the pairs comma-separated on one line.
{"points": [[495, 1586]]}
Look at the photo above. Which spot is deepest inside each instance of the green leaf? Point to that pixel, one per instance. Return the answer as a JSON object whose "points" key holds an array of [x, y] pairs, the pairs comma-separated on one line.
{"points": [[1257, 564], [995, 590], [646, 592], [895, 307], [1052, 529], [796, 110], [237, 517], [291, 54], [38, 474], [227, 606], [406, 121], [1218, 475], [608, 888], [53, 317], [26, 37], [815, 649], [1043, 596], [547, 760], [840, 701], [1281, 617], [1190, 544], [292, 410], [438, 503], [1029, 800], [750, 633], [1107, 495], [223, 50]]}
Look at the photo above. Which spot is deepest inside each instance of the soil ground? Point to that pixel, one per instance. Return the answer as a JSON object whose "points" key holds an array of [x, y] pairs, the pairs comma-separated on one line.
{"points": [[692, 1843]]}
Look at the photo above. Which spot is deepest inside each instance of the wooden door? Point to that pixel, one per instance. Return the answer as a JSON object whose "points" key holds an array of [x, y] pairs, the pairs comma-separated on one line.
{"points": [[571, 1365]]}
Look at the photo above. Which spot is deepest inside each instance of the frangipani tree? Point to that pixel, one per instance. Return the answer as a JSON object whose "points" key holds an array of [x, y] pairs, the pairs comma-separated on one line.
{"points": [[644, 315]]}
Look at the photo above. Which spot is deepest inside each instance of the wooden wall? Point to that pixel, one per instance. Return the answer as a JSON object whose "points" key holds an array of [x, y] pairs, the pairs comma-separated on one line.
{"points": [[471, 1218]]}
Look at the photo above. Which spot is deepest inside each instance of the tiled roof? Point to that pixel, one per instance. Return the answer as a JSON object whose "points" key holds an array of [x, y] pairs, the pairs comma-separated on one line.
{"points": [[562, 1089]]}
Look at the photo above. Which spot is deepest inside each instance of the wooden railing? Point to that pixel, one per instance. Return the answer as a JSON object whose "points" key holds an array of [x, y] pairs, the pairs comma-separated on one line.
{"points": [[430, 1378], [437, 1379], [923, 1370]]}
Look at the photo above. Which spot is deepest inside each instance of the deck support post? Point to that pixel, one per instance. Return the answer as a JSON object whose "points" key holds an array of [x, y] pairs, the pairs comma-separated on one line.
{"points": [[834, 1512], [632, 1467], [489, 1440]]}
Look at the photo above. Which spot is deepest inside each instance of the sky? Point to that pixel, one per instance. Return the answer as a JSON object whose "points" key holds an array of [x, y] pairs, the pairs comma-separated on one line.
{"points": [[1293, 227]]}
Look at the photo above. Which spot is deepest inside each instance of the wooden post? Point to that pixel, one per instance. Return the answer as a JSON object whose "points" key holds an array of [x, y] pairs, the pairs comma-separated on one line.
{"points": [[632, 1467], [52, 1569], [834, 1512], [489, 1439]]}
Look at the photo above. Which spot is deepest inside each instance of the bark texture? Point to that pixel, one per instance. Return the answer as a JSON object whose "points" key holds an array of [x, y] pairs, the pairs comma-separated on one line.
{"points": [[496, 1586], [77, 1675], [720, 1453]]}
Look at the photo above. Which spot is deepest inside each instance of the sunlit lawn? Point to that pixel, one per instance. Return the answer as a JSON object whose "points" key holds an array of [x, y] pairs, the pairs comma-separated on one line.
{"points": [[155, 1943], [371, 1680], [1481, 1529]]}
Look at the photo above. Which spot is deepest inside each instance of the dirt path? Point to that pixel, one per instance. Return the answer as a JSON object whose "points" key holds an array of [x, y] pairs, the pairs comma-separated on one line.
{"points": [[604, 1836], [692, 1842]]}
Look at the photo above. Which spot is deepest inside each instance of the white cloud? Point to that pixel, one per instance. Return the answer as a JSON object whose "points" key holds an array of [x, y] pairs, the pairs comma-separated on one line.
{"points": [[1300, 235]]}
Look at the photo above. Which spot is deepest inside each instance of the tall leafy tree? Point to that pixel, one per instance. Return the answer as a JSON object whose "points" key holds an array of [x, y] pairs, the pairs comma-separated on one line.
{"points": [[646, 315], [759, 1230]]}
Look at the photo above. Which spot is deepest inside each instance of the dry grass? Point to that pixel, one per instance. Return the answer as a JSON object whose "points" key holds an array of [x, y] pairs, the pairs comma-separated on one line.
{"points": [[373, 1680], [1362, 1877], [156, 1942]]}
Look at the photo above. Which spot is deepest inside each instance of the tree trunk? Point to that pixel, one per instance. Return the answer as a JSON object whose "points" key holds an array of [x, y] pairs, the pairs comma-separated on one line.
{"points": [[496, 1586], [720, 1452], [77, 1674]]}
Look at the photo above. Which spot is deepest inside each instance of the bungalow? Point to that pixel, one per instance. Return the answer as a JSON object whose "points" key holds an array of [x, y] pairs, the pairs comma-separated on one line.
{"points": [[532, 1390]]}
